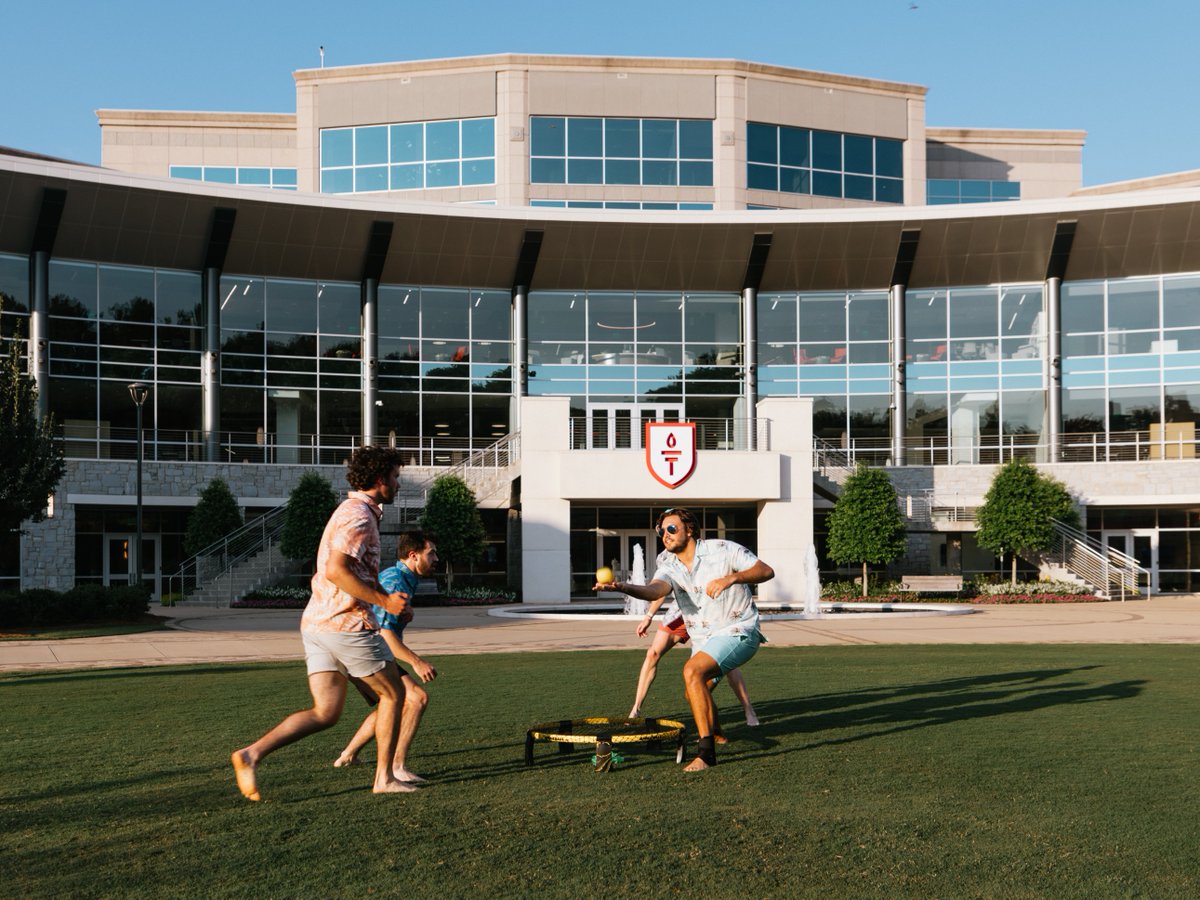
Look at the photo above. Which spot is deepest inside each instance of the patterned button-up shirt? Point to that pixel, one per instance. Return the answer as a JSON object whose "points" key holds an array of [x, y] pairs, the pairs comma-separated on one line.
{"points": [[353, 529], [732, 611]]}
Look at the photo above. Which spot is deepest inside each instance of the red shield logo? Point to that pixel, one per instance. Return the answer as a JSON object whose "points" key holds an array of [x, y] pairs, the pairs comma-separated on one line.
{"points": [[671, 451]]}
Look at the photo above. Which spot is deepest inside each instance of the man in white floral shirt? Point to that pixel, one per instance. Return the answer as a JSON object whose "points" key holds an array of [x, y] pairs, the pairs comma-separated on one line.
{"points": [[710, 580]]}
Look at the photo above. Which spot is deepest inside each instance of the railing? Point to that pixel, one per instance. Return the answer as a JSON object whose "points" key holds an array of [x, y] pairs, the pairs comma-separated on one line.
{"points": [[941, 450], [831, 460], [102, 441], [626, 433], [1110, 571], [487, 469], [223, 556]]}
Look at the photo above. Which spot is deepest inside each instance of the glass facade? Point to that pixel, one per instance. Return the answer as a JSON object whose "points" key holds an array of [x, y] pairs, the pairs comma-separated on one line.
{"points": [[408, 156], [627, 349], [616, 204], [112, 325], [791, 160], [577, 150], [976, 379], [254, 176], [834, 347], [965, 190], [1131, 358]]}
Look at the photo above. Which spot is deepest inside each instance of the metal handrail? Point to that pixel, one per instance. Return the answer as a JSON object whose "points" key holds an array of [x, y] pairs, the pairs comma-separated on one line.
{"points": [[1108, 570], [223, 556]]}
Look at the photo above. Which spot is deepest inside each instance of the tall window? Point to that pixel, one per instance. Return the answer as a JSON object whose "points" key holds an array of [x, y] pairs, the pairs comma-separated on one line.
{"points": [[1131, 356], [823, 163], [408, 156], [572, 150]]}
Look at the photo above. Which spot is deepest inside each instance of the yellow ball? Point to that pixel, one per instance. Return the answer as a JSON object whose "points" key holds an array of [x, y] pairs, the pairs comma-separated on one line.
{"points": [[604, 575]]}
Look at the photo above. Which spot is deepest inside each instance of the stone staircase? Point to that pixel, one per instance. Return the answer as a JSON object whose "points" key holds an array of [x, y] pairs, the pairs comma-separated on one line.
{"points": [[265, 567]]}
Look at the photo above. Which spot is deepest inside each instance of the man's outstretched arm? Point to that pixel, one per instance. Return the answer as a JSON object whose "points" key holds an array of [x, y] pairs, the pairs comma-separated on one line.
{"points": [[756, 574]]}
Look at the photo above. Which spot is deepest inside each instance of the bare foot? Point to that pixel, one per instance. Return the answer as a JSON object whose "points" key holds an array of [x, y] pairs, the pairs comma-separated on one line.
{"points": [[752, 720], [720, 739], [696, 765], [245, 770], [403, 774], [345, 760], [393, 787], [634, 713]]}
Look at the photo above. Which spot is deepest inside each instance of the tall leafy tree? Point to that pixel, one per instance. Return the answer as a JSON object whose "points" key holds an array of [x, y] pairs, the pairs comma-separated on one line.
{"points": [[213, 517], [866, 526], [452, 519], [1019, 510], [33, 461], [310, 504]]}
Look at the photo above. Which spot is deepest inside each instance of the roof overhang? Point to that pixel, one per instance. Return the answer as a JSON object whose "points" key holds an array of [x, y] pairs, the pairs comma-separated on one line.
{"points": [[118, 218]]}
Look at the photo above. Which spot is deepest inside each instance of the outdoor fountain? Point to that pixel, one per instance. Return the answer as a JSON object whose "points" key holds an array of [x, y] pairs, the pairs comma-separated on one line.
{"points": [[637, 575]]}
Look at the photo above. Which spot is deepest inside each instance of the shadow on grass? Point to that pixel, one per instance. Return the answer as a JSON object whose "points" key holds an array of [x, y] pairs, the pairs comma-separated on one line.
{"points": [[875, 712]]}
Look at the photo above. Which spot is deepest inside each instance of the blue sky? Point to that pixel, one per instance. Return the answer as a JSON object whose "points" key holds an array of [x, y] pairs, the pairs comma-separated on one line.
{"points": [[1125, 72]]}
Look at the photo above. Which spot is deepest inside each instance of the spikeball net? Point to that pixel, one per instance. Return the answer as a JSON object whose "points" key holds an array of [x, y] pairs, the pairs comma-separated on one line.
{"points": [[605, 732]]}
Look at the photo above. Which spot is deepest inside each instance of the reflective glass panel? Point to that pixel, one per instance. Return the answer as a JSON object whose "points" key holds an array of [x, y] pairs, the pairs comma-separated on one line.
{"points": [[548, 136], [408, 143], [371, 145], [441, 141]]}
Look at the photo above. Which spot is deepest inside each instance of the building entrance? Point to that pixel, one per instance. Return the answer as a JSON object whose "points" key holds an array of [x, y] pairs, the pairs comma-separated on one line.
{"points": [[621, 426], [1141, 544], [117, 569], [615, 549]]}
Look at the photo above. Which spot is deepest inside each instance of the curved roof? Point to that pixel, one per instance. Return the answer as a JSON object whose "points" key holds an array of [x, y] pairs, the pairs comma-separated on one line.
{"points": [[113, 217]]}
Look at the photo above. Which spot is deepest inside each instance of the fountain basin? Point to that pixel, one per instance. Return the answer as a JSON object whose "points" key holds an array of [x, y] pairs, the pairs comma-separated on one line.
{"points": [[777, 612]]}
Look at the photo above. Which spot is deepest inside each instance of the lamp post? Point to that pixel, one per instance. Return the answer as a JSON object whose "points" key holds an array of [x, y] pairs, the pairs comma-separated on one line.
{"points": [[139, 391]]}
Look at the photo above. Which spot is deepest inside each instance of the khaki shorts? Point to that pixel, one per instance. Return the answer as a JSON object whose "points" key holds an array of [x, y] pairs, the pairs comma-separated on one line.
{"points": [[356, 653]]}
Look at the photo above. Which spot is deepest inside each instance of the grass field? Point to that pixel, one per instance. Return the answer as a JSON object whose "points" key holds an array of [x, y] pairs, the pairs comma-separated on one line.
{"points": [[991, 771]]}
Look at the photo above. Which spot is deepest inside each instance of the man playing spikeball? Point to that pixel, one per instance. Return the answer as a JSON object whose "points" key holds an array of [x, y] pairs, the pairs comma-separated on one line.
{"points": [[710, 581]]}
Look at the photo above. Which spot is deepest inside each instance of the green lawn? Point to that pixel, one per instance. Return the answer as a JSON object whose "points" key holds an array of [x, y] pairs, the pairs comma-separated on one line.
{"points": [[997, 771]]}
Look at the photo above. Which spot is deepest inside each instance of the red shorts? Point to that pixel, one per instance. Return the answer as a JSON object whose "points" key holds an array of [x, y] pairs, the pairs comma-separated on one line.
{"points": [[677, 628]]}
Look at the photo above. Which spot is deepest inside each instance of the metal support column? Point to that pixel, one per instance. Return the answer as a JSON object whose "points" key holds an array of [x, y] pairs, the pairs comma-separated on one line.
{"points": [[370, 359], [39, 328], [899, 402], [750, 362], [210, 366], [1054, 353]]}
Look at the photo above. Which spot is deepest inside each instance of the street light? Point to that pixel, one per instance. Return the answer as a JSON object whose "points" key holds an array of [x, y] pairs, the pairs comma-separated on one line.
{"points": [[138, 391]]}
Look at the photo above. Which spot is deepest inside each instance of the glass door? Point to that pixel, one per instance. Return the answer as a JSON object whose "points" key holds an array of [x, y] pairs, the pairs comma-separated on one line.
{"points": [[622, 426], [1141, 544], [117, 568]]}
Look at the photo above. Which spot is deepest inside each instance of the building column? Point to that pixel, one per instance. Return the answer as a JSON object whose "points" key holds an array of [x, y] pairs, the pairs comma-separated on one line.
{"points": [[210, 365], [39, 328], [370, 359], [750, 364], [899, 402], [1054, 354], [520, 366]]}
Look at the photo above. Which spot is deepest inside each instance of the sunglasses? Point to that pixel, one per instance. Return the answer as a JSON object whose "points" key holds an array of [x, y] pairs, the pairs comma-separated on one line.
{"points": [[670, 529]]}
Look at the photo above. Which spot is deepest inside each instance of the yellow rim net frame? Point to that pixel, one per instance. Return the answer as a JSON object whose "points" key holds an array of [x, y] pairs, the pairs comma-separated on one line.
{"points": [[604, 732]]}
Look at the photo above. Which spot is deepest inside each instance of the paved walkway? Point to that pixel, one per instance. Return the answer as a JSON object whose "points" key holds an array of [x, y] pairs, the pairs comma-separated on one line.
{"points": [[224, 635]]}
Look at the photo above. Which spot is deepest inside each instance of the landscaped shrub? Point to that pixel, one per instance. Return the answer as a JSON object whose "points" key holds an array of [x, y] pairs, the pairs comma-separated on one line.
{"points": [[81, 604]]}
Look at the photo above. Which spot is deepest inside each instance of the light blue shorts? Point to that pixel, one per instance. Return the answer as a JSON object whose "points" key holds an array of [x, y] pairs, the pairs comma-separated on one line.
{"points": [[731, 651]]}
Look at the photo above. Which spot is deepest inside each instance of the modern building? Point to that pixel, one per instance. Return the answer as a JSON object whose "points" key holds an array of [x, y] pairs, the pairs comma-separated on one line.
{"points": [[511, 266]]}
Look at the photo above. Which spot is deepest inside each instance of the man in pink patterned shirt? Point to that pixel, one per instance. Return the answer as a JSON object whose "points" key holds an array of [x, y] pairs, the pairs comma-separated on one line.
{"points": [[341, 636]]}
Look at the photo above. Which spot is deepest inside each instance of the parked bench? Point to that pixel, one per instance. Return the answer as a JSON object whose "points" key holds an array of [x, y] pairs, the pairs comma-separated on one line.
{"points": [[932, 584]]}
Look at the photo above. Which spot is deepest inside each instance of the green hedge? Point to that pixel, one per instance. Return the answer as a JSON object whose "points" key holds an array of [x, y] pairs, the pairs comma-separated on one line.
{"points": [[83, 603]]}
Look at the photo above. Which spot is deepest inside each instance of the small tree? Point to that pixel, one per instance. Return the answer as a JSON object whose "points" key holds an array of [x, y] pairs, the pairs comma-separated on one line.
{"points": [[215, 516], [1019, 510], [310, 504], [865, 525], [33, 460], [452, 518]]}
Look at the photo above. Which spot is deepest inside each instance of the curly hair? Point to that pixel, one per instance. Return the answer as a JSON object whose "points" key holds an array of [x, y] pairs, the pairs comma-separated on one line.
{"points": [[686, 516], [369, 465]]}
